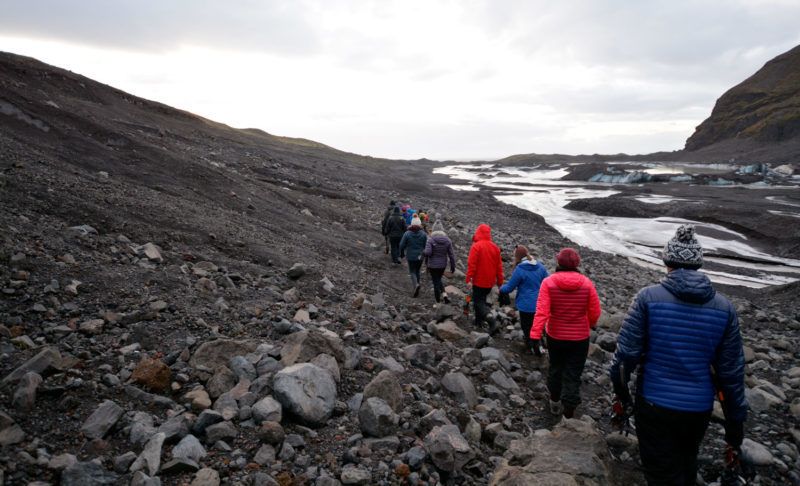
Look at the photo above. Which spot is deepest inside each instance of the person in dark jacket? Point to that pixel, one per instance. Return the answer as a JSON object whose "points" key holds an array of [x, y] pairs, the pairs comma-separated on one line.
{"points": [[384, 219], [568, 306], [674, 334], [438, 250], [527, 278], [484, 270], [395, 228], [412, 247]]}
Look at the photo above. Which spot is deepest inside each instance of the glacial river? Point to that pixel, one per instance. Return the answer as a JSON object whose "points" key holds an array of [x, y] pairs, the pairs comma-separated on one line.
{"points": [[640, 239]]}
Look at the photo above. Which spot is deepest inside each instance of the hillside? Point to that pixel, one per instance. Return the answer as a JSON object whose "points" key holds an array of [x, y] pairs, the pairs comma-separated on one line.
{"points": [[167, 279], [763, 109]]}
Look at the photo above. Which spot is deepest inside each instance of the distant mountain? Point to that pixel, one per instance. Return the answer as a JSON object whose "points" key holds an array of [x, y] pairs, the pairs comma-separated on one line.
{"points": [[764, 108]]}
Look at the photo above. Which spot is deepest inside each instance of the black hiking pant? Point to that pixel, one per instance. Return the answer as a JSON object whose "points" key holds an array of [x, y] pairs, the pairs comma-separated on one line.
{"points": [[525, 322], [567, 359], [668, 442], [438, 286], [394, 242], [479, 295], [413, 271]]}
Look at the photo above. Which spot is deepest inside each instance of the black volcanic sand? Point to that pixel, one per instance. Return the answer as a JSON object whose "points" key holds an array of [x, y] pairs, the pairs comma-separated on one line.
{"points": [[254, 204]]}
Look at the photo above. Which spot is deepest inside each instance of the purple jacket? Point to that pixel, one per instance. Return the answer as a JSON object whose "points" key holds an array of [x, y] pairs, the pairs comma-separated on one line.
{"points": [[438, 249]]}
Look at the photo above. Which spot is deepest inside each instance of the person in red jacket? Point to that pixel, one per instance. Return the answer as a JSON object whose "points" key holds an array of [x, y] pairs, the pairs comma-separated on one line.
{"points": [[568, 307], [484, 270]]}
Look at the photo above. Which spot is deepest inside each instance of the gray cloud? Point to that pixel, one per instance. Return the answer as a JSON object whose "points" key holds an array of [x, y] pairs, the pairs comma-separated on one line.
{"points": [[153, 25]]}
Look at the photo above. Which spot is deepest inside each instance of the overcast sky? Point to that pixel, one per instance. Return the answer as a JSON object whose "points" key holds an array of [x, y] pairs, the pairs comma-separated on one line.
{"points": [[478, 79]]}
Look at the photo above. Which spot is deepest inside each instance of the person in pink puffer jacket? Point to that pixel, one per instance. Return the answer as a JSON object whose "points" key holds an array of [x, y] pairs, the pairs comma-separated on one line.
{"points": [[567, 308]]}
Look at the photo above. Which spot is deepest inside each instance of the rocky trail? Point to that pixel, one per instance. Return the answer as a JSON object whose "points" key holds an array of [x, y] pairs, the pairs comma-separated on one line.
{"points": [[184, 303]]}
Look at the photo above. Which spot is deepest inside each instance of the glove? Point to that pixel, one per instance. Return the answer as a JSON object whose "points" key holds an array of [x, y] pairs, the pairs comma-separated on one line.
{"points": [[622, 413], [738, 468], [734, 433], [504, 299], [535, 347]]}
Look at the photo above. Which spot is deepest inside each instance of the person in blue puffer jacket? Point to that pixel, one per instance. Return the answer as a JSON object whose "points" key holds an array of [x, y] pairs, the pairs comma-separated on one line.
{"points": [[412, 247], [527, 278], [683, 339]]}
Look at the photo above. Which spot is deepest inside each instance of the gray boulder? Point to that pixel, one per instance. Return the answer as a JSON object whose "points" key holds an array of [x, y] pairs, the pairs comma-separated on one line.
{"points": [[307, 392], [377, 418], [386, 387], [101, 420], [267, 409], [461, 388], [304, 346], [448, 449]]}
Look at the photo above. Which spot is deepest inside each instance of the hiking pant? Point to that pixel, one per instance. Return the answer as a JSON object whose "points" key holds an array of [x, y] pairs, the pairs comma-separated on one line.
{"points": [[567, 359], [413, 270], [525, 322], [479, 295], [394, 242], [668, 442], [438, 286]]}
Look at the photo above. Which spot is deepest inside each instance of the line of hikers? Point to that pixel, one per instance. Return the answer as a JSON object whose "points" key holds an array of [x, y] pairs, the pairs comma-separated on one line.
{"points": [[680, 336]]}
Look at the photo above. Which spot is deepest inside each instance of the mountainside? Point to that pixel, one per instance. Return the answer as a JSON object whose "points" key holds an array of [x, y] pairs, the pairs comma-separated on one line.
{"points": [[182, 302], [764, 108]]}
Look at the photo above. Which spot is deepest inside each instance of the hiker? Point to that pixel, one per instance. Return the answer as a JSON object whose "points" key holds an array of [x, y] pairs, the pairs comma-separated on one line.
{"points": [[673, 333], [411, 247], [527, 278], [484, 270], [408, 214], [567, 308], [423, 217], [394, 229], [385, 218], [438, 250]]}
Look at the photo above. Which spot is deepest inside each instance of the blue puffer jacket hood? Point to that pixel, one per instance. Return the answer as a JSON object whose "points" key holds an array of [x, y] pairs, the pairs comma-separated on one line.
{"points": [[689, 285]]}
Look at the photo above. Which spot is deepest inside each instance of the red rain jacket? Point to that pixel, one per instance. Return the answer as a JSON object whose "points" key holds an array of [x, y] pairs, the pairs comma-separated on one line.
{"points": [[484, 266], [568, 305]]}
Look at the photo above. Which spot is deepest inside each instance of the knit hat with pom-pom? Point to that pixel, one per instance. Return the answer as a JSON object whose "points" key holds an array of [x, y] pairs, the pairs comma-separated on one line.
{"points": [[683, 250]]}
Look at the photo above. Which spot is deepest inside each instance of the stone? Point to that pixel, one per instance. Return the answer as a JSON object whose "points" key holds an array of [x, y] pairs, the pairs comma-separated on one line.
{"points": [[265, 455], [386, 387], [200, 400], [271, 433], [573, 449], [461, 388], [328, 362], [388, 363], [355, 475], [227, 406], [206, 477], [222, 381], [307, 392], [206, 419], [141, 428], [189, 448], [91, 472], [607, 341], [449, 450], [449, 331], [152, 373], [45, 360], [494, 354], [303, 346], [503, 381], [422, 355], [175, 428], [25, 394], [242, 369], [151, 251], [124, 461], [376, 417], [150, 457], [267, 409], [302, 316], [757, 453], [296, 271], [102, 420], [216, 353], [221, 431], [179, 465], [12, 434], [92, 326], [62, 461], [415, 458]]}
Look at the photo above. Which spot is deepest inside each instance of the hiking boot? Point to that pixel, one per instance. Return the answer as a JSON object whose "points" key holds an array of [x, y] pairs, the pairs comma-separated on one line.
{"points": [[493, 328], [568, 412], [416, 290], [445, 298], [555, 407]]}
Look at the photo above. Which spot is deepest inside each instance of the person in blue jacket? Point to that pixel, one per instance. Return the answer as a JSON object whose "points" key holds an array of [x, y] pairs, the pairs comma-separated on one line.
{"points": [[684, 342], [527, 278], [412, 247]]}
